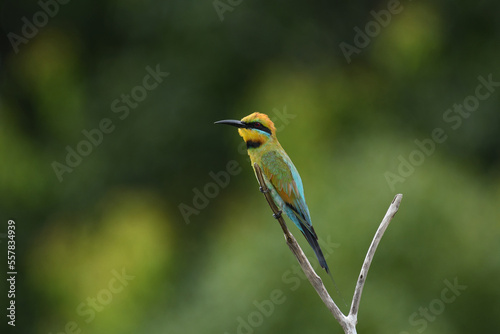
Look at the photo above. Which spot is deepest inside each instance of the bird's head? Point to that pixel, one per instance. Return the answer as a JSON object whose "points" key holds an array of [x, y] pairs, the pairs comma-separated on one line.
{"points": [[256, 129]]}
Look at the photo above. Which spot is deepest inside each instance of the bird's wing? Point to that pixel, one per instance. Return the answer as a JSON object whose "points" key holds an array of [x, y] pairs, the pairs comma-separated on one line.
{"points": [[286, 181]]}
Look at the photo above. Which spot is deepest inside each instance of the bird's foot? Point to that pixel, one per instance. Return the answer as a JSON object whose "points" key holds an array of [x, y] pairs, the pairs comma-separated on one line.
{"points": [[263, 191], [277, 215]]}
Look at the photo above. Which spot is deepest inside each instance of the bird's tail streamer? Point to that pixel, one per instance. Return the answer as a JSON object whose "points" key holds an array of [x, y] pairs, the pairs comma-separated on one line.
{"points": [[337, 288], [313, 241]]}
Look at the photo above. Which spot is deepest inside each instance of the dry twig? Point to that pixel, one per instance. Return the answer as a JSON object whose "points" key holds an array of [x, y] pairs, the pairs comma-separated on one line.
{"points": [[348, 322]]}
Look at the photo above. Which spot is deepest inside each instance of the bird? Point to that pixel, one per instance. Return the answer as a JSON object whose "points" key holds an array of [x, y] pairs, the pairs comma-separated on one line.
{"points": [[279, 172]]}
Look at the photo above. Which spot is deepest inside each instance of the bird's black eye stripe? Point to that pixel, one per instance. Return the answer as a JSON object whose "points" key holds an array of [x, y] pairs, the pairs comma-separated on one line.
{"points": [[258, 126]]}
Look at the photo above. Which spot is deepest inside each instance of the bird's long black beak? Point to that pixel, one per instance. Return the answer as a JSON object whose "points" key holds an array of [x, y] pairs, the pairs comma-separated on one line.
{"points": [[238, 124]]}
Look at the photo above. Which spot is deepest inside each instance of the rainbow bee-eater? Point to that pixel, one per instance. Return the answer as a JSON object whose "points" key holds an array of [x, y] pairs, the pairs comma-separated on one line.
{"points": [[280, 175]]}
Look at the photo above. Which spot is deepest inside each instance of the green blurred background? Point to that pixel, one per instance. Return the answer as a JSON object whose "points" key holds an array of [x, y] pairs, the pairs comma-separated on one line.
{"points": [[221, 265]]}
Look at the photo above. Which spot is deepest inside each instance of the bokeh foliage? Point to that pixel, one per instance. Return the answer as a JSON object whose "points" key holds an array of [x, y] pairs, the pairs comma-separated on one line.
{"points": [[348, 124]]}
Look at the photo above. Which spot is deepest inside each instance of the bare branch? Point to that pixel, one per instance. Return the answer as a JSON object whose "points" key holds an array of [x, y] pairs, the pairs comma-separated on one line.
{"points": [[393, 208], [349, 322]]}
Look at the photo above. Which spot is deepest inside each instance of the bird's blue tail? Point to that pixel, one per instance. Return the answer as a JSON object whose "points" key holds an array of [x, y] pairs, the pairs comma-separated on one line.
{"points": [[312, 239]]}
